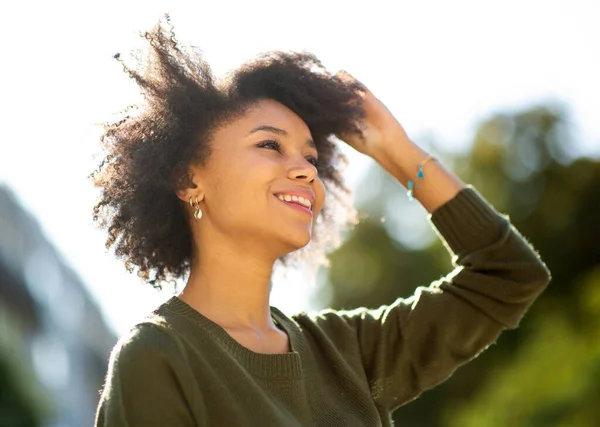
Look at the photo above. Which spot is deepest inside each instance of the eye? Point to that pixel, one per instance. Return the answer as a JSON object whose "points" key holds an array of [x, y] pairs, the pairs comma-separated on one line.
{"points": [[270, 143], [277, 146]]}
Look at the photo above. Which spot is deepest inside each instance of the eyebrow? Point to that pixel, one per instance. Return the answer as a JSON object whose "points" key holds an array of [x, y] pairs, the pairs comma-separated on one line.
{"points": [[278, 131]]}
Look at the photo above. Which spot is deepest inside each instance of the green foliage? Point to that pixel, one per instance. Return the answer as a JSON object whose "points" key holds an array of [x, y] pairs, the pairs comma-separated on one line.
{"points": [[16, 407], [547, 372]]}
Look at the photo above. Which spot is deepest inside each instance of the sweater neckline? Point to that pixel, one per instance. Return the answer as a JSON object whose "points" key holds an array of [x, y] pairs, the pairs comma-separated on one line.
{"points": [[278, 365]]}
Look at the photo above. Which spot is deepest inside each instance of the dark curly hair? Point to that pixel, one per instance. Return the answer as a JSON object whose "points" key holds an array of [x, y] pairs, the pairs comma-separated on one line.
{"points": [[150, 147]]}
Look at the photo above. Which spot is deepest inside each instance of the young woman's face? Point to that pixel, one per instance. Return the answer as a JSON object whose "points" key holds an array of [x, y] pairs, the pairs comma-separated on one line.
{"points": [[264, 154]]}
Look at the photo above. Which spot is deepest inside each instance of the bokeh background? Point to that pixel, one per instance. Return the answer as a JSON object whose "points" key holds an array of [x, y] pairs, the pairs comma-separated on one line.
{"points": [[506, 93]]}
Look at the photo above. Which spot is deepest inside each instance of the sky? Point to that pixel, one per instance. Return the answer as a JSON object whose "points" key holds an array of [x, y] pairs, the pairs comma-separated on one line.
{"points": [[439, 66]]}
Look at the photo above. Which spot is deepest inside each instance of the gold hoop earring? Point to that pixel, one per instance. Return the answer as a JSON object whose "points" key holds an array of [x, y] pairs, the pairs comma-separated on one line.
{"points": [[196, 206]]}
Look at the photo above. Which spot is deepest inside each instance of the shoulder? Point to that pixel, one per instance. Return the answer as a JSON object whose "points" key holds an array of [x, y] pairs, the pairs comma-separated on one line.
{"points": [[149, 342], [358, 320], [148, 381], [347, 317], [328, 320]]}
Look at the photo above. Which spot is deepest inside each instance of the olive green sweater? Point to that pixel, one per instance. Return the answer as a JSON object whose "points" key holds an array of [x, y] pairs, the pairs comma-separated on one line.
{"points": [[346, 368]]}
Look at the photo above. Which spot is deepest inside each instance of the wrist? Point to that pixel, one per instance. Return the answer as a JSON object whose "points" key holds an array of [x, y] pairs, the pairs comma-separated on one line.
{"points": [[401, 159]]}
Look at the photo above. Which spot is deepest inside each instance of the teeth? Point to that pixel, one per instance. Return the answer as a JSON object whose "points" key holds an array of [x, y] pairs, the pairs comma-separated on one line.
{"points": [[305, 202], [299, 199]]}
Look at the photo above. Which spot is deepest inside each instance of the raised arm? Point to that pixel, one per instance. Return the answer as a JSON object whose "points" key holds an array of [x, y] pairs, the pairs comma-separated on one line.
{"points": [[383, 138], [415, 343]]}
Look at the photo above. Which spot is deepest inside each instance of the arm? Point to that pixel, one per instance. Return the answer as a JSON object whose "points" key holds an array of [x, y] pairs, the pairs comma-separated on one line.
{"points": [[384, 139], [417, 342], [146, 383]]}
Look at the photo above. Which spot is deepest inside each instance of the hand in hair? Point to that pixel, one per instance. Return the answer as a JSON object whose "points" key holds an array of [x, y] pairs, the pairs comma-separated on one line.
{"points": [[380, 129]]}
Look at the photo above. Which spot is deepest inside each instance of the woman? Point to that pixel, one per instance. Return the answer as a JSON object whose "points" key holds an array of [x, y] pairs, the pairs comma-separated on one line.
{"points": [[216, 181]]}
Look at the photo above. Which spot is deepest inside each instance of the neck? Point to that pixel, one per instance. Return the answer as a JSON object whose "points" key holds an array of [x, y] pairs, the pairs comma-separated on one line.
{"points": [[231, 285]]}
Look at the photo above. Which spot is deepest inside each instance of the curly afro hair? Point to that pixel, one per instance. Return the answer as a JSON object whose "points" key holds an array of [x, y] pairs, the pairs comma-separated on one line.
{"points": [[150, 146]]}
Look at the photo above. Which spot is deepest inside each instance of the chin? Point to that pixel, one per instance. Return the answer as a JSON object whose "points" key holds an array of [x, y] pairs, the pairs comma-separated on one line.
{"points": [[296, 241], [301, 242]]}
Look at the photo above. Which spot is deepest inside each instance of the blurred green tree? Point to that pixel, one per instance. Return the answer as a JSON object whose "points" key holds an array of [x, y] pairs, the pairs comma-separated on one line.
{"points": [[17, 408], [547, 372]]}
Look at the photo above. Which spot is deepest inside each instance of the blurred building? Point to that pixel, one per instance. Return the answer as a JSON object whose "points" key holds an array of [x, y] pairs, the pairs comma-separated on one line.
{"points": [[54, 343]]}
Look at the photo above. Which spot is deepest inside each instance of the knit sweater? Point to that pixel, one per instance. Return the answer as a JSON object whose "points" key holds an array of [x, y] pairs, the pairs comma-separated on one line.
{"points": [[177, 368]]}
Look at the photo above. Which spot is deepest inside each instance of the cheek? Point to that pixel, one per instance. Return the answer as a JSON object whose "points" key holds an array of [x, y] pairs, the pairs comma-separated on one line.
{"points": [[240, 183]]}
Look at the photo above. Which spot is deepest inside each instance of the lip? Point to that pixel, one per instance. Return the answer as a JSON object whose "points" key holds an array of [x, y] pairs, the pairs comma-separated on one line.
{"points": [[295, 206]]}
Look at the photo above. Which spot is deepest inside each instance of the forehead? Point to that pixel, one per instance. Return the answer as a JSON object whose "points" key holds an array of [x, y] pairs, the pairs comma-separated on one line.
{"points": [[264, 113]]}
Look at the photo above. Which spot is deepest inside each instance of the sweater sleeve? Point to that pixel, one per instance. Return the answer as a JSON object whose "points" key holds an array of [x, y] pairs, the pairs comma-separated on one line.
{"points": [[417, 342], [146, 383]]}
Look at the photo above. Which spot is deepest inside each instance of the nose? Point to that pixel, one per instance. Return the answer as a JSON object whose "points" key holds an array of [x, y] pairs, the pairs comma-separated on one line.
{"points": [[302, 170]]}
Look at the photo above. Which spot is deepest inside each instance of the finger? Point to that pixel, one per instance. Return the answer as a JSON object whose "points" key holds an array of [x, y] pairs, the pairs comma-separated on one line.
{"points": [[353, 133]]}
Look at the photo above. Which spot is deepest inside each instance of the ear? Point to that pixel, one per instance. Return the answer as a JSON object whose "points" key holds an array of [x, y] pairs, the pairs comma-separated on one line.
{"points": [[186, 187]]}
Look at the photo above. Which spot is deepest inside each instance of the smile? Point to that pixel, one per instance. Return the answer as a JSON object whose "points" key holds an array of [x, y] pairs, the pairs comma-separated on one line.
{"points": [[295, 199], [296, 204]]}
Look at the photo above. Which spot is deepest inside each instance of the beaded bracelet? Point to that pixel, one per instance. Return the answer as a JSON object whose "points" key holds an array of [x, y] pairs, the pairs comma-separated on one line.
{"points": [[420, 175]]}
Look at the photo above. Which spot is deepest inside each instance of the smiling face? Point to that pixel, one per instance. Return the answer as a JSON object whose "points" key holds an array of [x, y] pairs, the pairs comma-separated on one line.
{"points": [[256, 160]]}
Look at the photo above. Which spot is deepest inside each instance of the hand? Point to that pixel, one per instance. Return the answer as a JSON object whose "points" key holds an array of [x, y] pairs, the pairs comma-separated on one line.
{"points": [[380, 129]]}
